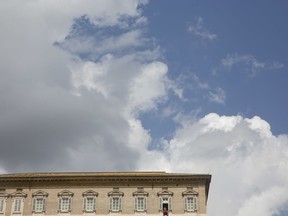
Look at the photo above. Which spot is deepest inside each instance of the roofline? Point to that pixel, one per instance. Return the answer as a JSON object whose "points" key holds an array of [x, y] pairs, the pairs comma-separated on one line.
{"points": [[56, 175], [99, 178]]}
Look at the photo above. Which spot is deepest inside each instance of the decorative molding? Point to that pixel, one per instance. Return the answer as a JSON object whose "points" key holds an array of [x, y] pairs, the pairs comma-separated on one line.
{"points": [[165, 192], [4, 194], [89, 193], [189, 192], [115, 192], [18, 194], [65, 193], [40, 193], [140, 192]]}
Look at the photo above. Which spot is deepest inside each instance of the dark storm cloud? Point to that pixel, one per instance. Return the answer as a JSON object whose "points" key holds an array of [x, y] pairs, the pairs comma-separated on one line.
{"points": [[39, 124]]}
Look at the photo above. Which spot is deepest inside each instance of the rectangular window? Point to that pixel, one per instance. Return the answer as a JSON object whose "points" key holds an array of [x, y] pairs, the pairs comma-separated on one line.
{"points": [[2, 202], [89, 204], [140, 203], [38, 204], [166, 203], [191, 203], [64, 204], [17, 205], [115, 203]]}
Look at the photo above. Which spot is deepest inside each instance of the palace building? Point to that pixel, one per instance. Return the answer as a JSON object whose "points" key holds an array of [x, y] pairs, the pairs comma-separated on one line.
{"points": [[103, 193]]}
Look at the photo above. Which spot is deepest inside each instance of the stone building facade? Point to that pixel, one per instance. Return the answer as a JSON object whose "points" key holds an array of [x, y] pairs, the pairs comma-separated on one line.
{"points": [[99, 194]]}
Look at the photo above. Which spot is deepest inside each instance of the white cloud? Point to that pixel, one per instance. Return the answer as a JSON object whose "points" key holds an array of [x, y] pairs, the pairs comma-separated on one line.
{"points": [[198, 30], [248, 164], [249, 62], [218, 96], [186, 86], [149, 86]]}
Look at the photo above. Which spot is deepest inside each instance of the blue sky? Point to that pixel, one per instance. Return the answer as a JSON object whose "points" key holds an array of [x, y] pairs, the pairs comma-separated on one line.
{"points": [[256, 29], [177, 86]]}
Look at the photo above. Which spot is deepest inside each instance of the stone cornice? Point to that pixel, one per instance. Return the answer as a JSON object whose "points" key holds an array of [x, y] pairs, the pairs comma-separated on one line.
{"points": [[103, 179], [99, 176]]}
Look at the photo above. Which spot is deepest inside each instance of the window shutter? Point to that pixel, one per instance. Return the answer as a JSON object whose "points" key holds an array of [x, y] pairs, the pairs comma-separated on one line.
{"points": [[185, 203], [161, 202], [111, 203], [17, 206], [94, 203], [194, 203], [170, 203], [135, 204], [59, 203], [69, 203], [120, 203], [1, 205], [33, 204], [84, 203], [44, 205], [145, 203]]}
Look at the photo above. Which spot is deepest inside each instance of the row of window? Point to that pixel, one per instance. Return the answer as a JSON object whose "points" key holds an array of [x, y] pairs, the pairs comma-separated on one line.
{"points": [[89, 200]]}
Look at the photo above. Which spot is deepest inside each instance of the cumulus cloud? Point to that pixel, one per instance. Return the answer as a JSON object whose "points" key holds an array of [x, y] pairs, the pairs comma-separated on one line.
{"points": [[242, 155], [198, 30]]}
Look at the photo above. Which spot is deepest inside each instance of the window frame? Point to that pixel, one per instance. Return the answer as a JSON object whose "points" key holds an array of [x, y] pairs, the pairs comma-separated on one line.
{"points": [[165, 194], [18, 202], [87, 195], [63, 196], [3, 199], [190, 207], [36, 196], [113, 196], [116, 204], [138, 195], [188, 195]]}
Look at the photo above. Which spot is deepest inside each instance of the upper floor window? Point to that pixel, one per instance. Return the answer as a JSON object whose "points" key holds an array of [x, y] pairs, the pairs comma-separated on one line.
{"points": [[140, 200], [89, 201], [39, 201], [190, 200], [115, 200], [18, 202], [65, 201], [3, 198], [165, 199]]}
